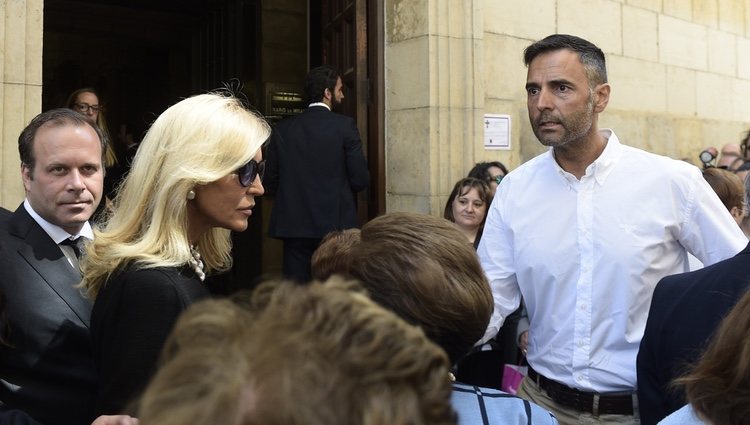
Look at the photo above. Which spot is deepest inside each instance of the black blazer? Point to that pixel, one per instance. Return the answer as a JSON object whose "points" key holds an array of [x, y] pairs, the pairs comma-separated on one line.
{"points": [[685, 311], [133, 315], [314, 165], [48, 369]]}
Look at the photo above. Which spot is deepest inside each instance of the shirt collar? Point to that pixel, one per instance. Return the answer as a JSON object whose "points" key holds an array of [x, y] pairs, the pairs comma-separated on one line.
{"points": [[57, 233], [603, 165], [323, 104]]}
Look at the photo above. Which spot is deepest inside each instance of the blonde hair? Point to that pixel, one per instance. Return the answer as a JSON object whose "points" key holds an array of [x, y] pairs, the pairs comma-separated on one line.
{"points": [[196, 141]]}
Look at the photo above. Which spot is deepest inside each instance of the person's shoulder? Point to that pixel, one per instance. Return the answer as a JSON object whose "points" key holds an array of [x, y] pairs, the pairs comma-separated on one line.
{"points": [[684, 416], [17, 222], [169, 282], [725, 279], [658, 163], [530, 170], [500, 407], [154, 275]]}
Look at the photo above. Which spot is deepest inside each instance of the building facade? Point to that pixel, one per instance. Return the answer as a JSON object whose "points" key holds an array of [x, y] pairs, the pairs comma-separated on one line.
{"points": [[423, 73]]}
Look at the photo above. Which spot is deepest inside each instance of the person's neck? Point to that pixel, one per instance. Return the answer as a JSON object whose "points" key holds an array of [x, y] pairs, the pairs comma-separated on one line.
{"points": [[469, 232], [324, 103], [576, 156]]}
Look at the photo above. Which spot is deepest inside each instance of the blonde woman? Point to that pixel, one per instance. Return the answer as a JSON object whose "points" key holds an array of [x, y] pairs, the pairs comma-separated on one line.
{"points": [[195, 177]]}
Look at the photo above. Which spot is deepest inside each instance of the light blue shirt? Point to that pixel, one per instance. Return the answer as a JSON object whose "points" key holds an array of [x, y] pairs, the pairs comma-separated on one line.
{"points": [[476, 405], [684, 416]]}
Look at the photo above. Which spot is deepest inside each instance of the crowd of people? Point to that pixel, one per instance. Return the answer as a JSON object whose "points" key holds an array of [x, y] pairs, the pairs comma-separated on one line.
{"points": [[568, 265]]}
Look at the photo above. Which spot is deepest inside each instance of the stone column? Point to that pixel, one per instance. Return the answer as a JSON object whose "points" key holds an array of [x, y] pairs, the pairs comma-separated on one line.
{"points": [[434, 99], [20, 87]]}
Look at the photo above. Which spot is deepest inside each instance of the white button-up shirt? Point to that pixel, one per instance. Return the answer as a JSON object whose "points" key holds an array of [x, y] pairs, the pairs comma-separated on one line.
{"points": [[586, 255]]}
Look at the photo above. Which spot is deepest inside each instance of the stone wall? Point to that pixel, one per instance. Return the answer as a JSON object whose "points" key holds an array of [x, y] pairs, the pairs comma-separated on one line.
{"points": [[20, 87], [679, 70]]}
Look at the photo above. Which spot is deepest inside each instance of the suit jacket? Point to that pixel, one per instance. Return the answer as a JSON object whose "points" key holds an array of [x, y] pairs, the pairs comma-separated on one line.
{"points": [[685, 311], [5, 215], [315, 165], [47, 370], [133, 315]]}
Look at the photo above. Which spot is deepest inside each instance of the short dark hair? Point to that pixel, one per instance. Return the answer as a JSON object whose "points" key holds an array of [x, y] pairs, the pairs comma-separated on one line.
{"points": [[591, 56], [53, 118], [318, 80], [481, 170]]}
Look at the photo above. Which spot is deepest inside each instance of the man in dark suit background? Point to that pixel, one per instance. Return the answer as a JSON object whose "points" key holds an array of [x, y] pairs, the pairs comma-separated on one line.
{"points": [[685, 311], [315, 167], [46, 364]]}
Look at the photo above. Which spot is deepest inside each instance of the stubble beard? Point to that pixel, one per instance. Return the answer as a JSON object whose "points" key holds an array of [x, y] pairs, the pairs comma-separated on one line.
{"points": [[574, 127]]}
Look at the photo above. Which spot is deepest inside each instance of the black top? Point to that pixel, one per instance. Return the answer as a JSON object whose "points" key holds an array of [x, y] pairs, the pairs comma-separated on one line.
{"points": [[133, 314], [685, 311], [47, 367], [314, 166]]}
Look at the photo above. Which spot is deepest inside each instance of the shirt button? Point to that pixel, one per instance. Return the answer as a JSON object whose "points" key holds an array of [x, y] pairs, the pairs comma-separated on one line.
{"points": [[579, 378], [581, 343]]}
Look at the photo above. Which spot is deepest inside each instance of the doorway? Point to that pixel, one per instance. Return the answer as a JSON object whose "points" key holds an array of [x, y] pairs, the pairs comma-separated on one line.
{"points": [[144, 55]]}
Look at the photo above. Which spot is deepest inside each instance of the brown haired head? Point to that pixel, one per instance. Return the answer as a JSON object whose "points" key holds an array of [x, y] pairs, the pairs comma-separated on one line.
{"points": [[334, 254], [421, 267], [718, 387], [729, 187], [319, 354]]}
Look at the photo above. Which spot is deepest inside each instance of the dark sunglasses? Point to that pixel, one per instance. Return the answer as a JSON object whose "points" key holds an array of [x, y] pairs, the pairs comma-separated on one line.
{"points": [[497, 179], [249, 171]]}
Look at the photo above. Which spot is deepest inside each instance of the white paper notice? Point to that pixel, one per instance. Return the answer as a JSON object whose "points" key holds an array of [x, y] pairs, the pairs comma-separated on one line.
{"points": [[496, 131]]}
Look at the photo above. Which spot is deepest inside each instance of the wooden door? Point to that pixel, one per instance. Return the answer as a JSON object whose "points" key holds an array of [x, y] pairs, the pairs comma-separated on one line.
{"points": [[347, 31]]}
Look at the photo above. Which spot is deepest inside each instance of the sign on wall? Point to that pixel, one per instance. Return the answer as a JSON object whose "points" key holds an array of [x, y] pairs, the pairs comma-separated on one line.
{"points": [[496, 131]]}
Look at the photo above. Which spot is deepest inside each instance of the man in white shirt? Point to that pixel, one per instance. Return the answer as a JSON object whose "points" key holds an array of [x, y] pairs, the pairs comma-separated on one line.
{"points": [[584, 232]]}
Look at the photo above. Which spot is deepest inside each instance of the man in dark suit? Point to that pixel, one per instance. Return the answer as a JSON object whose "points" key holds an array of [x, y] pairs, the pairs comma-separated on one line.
{"points": [[685, 311], [46, 365], [315, 167]]}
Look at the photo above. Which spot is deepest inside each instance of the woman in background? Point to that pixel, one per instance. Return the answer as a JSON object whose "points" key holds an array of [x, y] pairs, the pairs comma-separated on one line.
{"points": [[194, 179], [490, 172], [467, 207], [86, 102]]}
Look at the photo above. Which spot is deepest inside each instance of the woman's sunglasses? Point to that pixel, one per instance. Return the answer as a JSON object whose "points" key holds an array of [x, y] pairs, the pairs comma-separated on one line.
{"points": [[249, 171]]}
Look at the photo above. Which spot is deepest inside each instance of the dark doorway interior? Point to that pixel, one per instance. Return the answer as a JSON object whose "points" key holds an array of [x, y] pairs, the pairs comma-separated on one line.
{"points": [[142, 56]]}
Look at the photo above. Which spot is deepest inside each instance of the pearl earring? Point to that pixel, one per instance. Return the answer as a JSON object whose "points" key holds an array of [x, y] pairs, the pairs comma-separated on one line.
{"points": [[191, 195]]}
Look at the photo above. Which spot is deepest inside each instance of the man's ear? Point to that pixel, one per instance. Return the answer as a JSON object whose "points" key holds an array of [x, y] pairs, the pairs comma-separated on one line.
{"points": [[26, 176], [327, 94], [601, 97]]}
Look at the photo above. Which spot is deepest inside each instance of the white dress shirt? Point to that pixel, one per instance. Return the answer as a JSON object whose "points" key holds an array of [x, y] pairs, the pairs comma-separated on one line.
{"points": [[57, 233], [586, 255]]}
